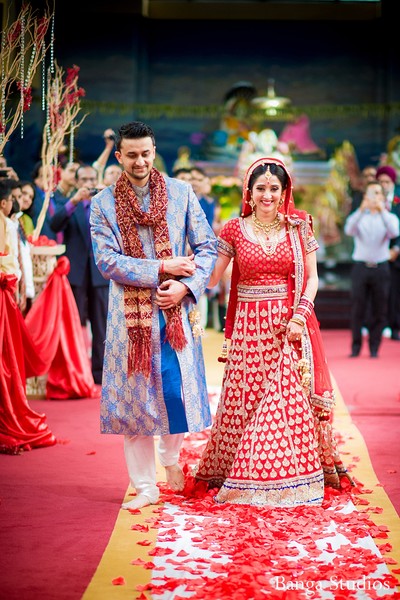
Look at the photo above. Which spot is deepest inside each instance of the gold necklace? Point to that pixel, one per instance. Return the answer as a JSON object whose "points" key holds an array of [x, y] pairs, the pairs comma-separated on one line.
{"points": [[268, 246], [271, 231], [266, 227]]}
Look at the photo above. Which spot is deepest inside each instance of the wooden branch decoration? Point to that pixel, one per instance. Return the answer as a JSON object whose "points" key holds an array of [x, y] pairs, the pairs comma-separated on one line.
{"points": [[23, 48], [63, 106]]}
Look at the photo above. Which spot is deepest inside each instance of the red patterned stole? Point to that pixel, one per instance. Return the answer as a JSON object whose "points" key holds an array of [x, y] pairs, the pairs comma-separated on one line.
{"points": [[137, 301]]}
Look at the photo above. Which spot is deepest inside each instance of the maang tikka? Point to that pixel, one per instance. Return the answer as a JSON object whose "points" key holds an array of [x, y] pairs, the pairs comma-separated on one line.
{"points": [[268, 174]]}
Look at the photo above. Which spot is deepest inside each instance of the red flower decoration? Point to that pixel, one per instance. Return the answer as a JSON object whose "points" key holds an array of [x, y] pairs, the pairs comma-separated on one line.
{"points": [[15, 32], [42, 27], [56, 176], [42, 240], [27, 96], [72, 75]]}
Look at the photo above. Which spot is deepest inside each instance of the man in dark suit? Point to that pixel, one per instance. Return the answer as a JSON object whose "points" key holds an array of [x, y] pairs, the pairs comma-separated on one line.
{"points": [[88, 285], [36, 207], [387, 177]]}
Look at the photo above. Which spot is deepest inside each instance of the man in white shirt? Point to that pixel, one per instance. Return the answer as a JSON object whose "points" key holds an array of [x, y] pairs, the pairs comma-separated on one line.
{"points": [[372, 226]]}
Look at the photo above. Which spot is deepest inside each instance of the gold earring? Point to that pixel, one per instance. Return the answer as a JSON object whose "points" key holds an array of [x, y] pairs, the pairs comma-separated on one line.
{"points": [[252, 204], [281, 201]]}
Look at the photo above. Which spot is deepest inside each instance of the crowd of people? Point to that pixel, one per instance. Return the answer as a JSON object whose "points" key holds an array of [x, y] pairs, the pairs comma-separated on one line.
{"points": [[151, 265]]}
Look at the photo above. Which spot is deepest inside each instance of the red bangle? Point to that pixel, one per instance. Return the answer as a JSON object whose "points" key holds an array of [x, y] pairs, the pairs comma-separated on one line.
{"points": [[162, 267]]}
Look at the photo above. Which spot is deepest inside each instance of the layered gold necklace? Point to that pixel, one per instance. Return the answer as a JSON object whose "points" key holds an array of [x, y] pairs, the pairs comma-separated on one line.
{"points": [[268, 241]]}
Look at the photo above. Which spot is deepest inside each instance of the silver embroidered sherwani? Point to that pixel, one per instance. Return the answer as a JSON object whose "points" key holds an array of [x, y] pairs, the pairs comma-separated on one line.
{"points": [[134, 406]]}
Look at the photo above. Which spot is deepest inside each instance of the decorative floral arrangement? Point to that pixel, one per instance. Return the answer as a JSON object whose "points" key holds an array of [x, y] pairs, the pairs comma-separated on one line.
{"points": [[63, 106], [228, 191], [42, 240], [23, 49]]}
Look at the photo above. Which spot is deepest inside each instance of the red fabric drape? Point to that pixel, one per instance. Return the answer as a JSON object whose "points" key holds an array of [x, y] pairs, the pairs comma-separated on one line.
{"points": [[54, 324], [21, 428]]}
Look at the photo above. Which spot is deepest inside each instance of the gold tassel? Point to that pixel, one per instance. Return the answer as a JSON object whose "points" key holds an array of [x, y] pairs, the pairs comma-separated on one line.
{"points": [[223, 357], [194, 320], [304, 370]]}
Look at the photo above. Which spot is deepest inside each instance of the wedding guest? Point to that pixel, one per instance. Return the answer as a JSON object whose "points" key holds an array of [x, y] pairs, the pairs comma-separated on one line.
{"points": [[183, 173], [89, 287], [26, 201], [202, 188], [8, 232], [387, 177], [101, 161], [372, 227], [67, 184], [7, 172], [111, 174], [368, 173], [26, 287]]}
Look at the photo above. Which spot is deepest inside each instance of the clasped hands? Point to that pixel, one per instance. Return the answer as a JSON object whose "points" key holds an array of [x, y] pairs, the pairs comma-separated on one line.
{"points": [[170, 292]]}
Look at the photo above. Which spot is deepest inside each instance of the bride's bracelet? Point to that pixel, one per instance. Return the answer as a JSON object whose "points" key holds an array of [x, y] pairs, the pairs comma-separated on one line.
{"points": [[298, 320], [304, 308]]}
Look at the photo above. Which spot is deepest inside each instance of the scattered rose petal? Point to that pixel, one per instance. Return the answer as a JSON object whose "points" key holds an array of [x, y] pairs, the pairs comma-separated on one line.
{"points": [[144, 543], [139, 527]]}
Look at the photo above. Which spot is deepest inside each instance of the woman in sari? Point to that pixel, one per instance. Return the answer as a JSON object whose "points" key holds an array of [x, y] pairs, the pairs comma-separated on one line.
{"points": [[271, 442]]}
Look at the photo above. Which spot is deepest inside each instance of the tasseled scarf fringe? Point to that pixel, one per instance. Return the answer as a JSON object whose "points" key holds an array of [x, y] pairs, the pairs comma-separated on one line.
{"points": [[174, 332], [139, 352]]}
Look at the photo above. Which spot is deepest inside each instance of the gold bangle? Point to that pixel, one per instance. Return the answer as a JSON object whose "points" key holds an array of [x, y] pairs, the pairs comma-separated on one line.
{"points": [[296, 320]]}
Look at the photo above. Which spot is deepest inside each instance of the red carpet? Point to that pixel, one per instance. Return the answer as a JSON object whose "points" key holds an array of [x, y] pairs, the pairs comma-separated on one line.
{"points": [[59, 504], [58, 508], [371, 391]]}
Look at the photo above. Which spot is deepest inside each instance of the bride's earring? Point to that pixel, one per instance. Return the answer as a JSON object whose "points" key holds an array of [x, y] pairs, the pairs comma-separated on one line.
{"points": [[252, 204]]}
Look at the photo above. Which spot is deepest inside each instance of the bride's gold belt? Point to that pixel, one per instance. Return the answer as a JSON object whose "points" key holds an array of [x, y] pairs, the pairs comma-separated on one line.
{"points": [[251, 293]]}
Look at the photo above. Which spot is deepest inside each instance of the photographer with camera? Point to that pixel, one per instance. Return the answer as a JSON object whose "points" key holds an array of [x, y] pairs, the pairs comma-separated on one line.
{"points": [[89, 287], [101, 162], [7, 172], [372, 227]]}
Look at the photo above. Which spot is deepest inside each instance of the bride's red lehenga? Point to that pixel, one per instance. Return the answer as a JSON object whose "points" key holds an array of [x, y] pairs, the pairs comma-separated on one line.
{"points": [[268, 445], [21, 428]]}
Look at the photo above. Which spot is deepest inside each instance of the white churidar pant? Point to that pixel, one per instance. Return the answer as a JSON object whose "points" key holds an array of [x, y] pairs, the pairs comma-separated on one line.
{"points": [[141, 463]]}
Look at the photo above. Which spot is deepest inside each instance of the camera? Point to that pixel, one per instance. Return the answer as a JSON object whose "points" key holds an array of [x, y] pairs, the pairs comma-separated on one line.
{"points": [[93, 191], [3, 172]]}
